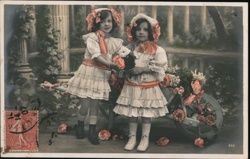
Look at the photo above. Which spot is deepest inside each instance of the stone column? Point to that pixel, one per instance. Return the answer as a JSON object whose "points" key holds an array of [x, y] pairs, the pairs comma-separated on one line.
{"points": [[186, 20], [60, 21], [170, 29], [32, 43], [203, 17], [170, 60], [138, 9], [154, 12], [121, 28], [72, 18]]}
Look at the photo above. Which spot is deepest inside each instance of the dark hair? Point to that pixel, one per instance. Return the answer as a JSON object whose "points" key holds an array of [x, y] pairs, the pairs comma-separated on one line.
{"points": [[104, 15], [150, 31]]}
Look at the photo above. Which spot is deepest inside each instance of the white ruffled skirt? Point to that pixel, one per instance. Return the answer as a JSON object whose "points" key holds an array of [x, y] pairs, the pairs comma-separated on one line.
{"points": [[90, 82], [141, 102]]}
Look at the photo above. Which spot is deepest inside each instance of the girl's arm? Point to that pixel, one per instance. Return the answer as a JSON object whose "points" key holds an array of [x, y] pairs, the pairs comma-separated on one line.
{"points": [[111, 65], [139, 70]]}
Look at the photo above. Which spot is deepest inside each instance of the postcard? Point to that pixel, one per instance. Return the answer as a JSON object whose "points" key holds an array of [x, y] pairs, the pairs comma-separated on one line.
{"points": [[124, 79]]}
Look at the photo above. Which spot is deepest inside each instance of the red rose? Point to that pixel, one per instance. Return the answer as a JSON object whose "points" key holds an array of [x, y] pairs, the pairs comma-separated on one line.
{"points": [[199, 142], [178, 115], [210, 120], [202, 119], [163, 141], [119, 62], [62, 128], [104, 135]]}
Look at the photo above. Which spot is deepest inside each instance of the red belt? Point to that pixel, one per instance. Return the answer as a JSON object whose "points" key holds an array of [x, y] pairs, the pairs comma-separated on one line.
{"points": [[142, 85], [93, 63]]}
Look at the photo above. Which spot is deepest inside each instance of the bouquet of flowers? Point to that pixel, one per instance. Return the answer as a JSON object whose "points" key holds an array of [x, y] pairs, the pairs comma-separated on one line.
{"points": [[190, 85]]}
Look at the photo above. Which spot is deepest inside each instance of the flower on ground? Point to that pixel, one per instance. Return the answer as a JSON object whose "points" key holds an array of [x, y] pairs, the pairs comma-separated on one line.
{"points": [[163, 141], [178, 115], [104, 135], [199, 142], [115, 137], [62, 128]]}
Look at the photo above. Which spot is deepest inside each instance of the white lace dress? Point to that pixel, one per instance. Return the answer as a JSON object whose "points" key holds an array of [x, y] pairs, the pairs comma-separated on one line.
{"points": [[145, 102], [92, 81]]}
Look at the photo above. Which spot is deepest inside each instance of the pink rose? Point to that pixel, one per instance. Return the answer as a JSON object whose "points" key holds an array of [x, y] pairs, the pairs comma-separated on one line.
{"points": [[200, 95], [163, 141], [62, 128], [104, 135], [202, 119], [115, 137], [178, 115], [196, 86], [122, 137], [119, 62], [181, 90], [200, 106], [199, 142], [210, 120], [189, 99], [166, 81]]}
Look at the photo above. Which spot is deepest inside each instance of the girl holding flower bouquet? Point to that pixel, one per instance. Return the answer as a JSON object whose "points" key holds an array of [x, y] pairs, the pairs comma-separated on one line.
{"points": [[90, 82], [141, 95]]}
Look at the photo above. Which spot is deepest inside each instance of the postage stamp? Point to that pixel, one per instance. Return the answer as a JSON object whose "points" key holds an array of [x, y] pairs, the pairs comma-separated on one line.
{"points": [[21, 131]]}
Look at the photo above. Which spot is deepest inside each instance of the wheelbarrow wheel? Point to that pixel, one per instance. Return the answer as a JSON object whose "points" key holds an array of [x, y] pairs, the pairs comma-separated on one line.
{"points": [[203, 131]]}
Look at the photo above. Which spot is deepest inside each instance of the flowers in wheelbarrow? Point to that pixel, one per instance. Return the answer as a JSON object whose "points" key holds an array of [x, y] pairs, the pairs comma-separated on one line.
{"points": [[199, 142], [104, 135], [62, 128], [163, 141], [178, 115]]}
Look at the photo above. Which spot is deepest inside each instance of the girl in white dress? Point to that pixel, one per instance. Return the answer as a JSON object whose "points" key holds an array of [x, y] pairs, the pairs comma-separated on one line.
{"points": [[90, 82], [141, 95]]}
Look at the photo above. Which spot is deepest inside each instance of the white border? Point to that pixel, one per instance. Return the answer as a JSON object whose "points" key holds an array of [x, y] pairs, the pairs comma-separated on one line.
{"points": [[134, 155]]}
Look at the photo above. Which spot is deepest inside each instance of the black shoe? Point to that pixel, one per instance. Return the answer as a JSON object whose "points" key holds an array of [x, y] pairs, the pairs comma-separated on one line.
{"points": [[92, 136], [80, 130]]}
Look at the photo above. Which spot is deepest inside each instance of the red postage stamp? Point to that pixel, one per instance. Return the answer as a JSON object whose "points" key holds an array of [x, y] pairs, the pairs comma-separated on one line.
{"points": [[21, 130]]}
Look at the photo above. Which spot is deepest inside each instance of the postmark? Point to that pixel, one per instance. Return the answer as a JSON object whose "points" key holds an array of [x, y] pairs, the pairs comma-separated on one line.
{"points": [[21, 130]]}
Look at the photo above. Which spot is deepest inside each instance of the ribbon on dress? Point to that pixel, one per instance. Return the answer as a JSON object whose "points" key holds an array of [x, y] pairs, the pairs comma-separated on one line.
{"points": [[93, 63], [100, 34], [148, 47], [142, 85]]}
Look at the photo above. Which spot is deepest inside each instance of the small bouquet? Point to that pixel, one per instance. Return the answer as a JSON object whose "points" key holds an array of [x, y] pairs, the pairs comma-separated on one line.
{"points": [[126, 62]]}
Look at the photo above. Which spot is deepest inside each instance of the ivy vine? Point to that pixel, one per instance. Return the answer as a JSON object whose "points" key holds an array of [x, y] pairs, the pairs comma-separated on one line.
{"points": [[49, 67], [21, 32]]}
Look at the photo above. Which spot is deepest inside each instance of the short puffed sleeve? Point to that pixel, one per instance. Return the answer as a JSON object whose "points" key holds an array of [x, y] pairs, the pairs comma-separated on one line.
{"points": [[92, 45], [159, 63]]}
